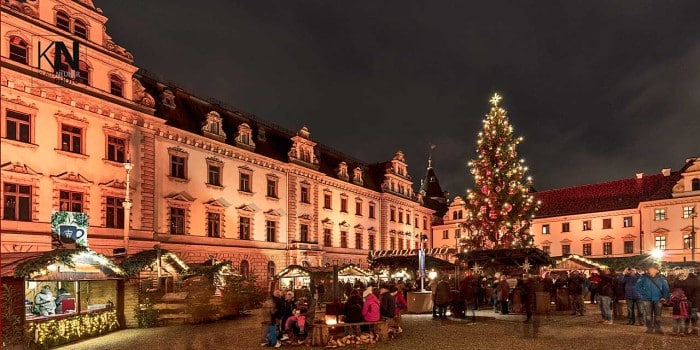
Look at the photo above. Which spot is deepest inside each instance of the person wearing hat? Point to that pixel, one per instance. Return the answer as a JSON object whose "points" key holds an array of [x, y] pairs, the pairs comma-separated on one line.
{"points": [[653, 291]]}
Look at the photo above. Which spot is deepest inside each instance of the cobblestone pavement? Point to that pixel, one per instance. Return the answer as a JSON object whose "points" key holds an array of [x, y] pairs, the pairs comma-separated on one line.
{"points": [[491, 331]]}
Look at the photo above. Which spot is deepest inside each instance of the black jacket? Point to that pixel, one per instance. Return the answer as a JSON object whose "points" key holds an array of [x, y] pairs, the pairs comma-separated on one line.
{"points": [[387, 305], [353, 309]]}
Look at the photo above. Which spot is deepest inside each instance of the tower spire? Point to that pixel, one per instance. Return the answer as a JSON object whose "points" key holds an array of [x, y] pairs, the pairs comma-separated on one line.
{"points": [[430, 156]]}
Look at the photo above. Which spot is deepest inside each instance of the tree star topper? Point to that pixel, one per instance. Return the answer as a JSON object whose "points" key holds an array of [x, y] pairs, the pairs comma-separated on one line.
{"points": [[495, 99]]}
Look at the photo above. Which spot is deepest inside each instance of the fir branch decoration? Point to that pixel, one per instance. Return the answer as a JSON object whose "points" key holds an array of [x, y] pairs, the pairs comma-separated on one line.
{"points": [[36, 265]]}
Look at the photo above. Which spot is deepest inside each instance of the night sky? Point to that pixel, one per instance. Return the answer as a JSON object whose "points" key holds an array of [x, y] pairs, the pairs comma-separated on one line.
{"points": [[599, 89]]}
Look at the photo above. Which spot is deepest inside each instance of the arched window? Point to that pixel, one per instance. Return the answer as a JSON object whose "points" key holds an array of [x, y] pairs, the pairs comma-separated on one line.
{"points": [[454, 215], [80, 29], [63, 21], [18, 50], [83, 74], [271, 270], [695, 185], [116, 85], [244, 269]]}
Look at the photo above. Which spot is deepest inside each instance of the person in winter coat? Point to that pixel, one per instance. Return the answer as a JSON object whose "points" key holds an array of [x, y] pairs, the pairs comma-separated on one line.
{"points": [[692, 283], [387, 305], [575, 285], [606, 292], [353, 308], [442, 298], [401, 305], [629, 279], [653, 291], [271, 336], [371, 307], [680, 311], [502, 293], [433, 290]]}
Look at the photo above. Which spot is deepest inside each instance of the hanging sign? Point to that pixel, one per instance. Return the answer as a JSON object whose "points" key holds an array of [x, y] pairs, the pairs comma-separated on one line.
{"points": [[69, 229]]}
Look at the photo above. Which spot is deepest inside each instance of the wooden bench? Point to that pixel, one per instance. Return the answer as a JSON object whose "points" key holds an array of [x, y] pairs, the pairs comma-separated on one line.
{"points": [[320, 332]]}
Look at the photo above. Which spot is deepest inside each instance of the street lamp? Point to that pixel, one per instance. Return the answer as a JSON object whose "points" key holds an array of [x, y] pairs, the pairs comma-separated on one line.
{"points": [[127, 206], [693, 214], [657, 254]]}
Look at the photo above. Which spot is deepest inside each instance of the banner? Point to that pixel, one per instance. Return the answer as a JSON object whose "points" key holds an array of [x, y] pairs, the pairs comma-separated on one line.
{"points": [[69, 229]]}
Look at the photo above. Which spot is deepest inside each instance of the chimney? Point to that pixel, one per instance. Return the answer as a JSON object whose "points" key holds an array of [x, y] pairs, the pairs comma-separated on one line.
{"points": [[639, 176], [666, 171]]}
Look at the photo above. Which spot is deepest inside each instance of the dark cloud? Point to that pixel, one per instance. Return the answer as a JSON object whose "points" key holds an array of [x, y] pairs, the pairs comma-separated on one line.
{"points": [[599, 89]]}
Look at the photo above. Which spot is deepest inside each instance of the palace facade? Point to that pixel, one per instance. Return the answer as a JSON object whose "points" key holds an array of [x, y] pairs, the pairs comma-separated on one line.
{"points": [[207, 180]]}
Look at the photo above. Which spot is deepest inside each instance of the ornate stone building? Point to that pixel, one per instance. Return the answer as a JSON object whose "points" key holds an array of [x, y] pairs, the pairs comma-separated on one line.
{"points": [[208, 180]]}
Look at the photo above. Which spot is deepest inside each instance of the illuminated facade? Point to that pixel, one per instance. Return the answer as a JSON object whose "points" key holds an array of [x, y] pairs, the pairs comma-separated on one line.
{"points": [[208, 180]]}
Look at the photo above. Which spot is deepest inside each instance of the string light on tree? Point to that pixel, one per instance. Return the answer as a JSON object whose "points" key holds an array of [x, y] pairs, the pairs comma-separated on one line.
{"points": [[500, 205]]}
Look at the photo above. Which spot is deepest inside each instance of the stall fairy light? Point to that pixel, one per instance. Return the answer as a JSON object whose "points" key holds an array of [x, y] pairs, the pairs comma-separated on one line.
{"points": [[64, 330], [432, 274]]}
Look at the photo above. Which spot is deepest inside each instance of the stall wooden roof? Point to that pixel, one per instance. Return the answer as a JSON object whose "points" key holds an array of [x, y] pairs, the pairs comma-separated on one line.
{"points": [[62, 264], [320, 271]]}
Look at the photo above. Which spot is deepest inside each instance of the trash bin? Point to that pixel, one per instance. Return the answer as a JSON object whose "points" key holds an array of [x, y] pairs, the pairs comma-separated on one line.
{"points": [[542, 303], [563, 300]]}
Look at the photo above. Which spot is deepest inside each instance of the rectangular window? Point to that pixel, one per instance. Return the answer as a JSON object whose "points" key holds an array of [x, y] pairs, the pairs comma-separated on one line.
{"points": [[115, 212], [371, 211], [458, 233], [304, 196], [116, 149], [587, 225], [392, 243], [71, 139], [408, 219], [607, 248], [627, 221], [244, 183], [660, 242], [358, 208], [327, 237], [214, 175], [659, 214], [18, 199], [400, 244], [607, 224], [687, 241], [400, 217], [415, 221], [271, 188], [271, 231], [304, 233], [371, 242], [392, 214], [565, 249], [177, 167], [565, 227], [327, 201], [177, 221], [425, 223], [343, 205], [445, 234], [587, 249], [546, 249], [358, 240], [71, 201], [244, 228], [18, 126], [545, 229], [629, 247], [343, 239], [213, 224], [688, 211]]}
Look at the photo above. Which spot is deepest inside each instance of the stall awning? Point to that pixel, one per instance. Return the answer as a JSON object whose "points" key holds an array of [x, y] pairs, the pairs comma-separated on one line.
{"points": [[576, 262], [65, 264], [506, 257], [318, 271], [170, 262], [410, 262], [375, 254]]}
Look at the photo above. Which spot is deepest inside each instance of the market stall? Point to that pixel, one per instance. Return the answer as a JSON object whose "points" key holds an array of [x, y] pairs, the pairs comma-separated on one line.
{"points": [[301, 279], [69, 295]]}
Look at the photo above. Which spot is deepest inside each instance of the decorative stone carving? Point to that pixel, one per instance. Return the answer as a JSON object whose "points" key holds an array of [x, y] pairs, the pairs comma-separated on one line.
{"points": [[28, 7], [343, 171], [213, 127], [168, 99], [357, 176], [244, 137], [141, 96], [303, 149]]}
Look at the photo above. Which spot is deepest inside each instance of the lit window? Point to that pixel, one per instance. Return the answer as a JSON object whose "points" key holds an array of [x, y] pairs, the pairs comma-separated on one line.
{"points": [[116, 149], [17, 201], [545, 229], [587, 249], [115, 212], [587, 225], [687, 241], [244, 228], [688, 211], [660, 242], [18, 126], [607, 248], [659, 214], [213, 224], [627, 221], [116, 85], [63, 21], [71, 138], [271, 231], [19, 50], [177, 221], [71, 201]]}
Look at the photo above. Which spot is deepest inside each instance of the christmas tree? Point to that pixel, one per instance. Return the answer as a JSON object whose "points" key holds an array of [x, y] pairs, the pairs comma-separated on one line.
{"points": [[500, 208]]}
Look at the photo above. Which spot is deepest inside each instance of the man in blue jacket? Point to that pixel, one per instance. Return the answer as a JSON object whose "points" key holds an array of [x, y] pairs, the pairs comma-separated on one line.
{"points": [[653, 290], [629, 280]]}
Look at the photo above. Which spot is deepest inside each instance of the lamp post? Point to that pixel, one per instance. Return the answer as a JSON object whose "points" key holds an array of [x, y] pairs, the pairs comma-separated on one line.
{"points": [[692, 234], [127, 206]]}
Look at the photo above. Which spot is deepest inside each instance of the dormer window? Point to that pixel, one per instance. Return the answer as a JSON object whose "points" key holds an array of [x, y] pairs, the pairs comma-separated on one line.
{"points": [[80, 29], [357, 176], [343, 171], [168, 99], [302, 150], [261, 134], [63, 21], [116, 85], [212, 127], [244, 137]]}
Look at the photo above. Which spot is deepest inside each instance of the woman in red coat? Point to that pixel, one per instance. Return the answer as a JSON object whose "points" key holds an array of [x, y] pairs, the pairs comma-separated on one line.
{"points": [[503, 289], [400, 305]]}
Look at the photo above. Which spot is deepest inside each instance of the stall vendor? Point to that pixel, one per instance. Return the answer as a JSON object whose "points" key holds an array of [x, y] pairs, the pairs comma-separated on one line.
{"points": [[44, 302], [62, 295]]}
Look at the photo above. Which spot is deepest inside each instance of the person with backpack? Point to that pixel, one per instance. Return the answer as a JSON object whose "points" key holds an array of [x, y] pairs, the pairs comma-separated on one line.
{"points": [[681, 311], [653, 291]]}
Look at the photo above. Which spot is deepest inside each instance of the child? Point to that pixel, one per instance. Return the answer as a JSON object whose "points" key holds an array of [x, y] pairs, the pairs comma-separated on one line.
{"points": [[270, 310], [680, 311], [296, 323]]}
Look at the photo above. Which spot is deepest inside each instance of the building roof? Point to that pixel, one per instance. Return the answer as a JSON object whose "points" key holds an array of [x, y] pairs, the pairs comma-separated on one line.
{"points": [[607, 196], [431, 191], [190, 114]]}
